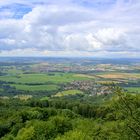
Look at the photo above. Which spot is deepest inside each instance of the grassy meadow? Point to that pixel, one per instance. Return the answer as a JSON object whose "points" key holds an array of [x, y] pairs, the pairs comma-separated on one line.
{"points": [[133, 89], [68, 92], [42, 78], [38, 81], [35, 87]]}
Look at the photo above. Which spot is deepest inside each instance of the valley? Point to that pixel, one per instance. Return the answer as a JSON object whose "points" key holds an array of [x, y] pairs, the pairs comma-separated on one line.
{"points": [[69, 99]]}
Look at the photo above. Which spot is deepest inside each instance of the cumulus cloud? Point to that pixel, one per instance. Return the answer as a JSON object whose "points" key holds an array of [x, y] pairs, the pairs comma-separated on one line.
{"points": [[83, 28]]}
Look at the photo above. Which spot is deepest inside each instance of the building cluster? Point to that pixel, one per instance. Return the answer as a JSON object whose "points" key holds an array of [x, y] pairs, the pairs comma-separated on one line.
{"points": [[90, 87]]}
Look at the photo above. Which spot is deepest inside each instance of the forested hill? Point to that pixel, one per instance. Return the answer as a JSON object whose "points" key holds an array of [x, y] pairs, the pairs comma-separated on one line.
{"points": [[59, 119]]}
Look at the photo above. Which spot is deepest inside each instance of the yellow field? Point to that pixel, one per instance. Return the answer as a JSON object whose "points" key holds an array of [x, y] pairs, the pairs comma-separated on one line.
{"points": [[23, 97], [68, 92], [4, 97], [120, 75], [108, 82]]}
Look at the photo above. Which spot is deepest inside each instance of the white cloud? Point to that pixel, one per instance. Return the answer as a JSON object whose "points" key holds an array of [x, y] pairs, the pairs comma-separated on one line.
{"points": [[110, 35], [8, 41], [66, 27]]}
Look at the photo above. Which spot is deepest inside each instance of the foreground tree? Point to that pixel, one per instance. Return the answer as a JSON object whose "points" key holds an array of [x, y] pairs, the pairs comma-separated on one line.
{"points": [[128, 109]]}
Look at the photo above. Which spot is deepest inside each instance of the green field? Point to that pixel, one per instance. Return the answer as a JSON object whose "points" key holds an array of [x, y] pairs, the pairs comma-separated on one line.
{"points": [[134, 89], [42, 78], [35, 87], [12, 70], [1, 89], [44, 98], [41, 82], [68, 92]]}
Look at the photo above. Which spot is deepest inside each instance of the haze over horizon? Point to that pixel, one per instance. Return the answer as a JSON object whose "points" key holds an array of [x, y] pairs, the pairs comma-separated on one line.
{"points": [[70, 28]]}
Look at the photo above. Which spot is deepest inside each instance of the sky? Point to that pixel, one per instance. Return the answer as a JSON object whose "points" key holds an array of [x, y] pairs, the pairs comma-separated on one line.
{"points": [[70, 28]]}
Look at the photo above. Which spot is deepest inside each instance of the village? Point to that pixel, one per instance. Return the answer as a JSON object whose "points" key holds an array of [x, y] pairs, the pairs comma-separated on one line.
{"points": [[90, 87]]}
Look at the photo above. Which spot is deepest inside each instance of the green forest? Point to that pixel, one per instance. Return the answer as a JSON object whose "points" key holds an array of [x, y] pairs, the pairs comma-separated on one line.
{"points": [[117, 118], [54, 101]]}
